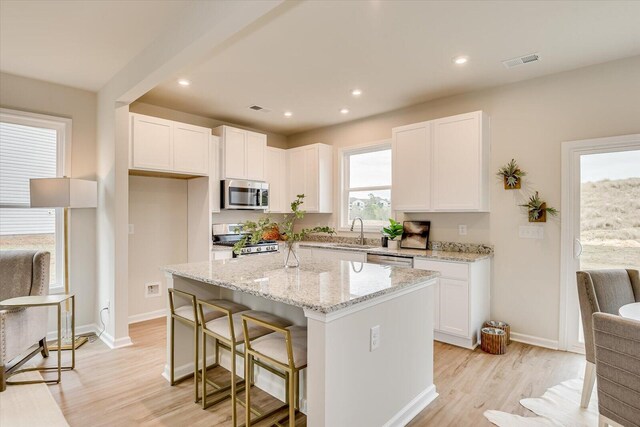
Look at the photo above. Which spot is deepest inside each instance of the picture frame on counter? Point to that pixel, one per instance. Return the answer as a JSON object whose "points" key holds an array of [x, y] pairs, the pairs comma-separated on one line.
{"points": [[415, 234]]}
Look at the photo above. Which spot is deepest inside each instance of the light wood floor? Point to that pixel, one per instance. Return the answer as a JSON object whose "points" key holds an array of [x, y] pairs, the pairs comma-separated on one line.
{"points": [[124, 387]]}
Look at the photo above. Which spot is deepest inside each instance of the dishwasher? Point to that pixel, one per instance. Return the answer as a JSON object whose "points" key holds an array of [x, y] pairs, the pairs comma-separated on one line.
{"points": [[395, 260]]}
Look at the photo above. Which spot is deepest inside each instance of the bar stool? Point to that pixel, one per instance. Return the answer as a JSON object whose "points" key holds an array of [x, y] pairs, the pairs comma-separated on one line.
{"points": [[187, 315], [228, 333], [286, 349]]}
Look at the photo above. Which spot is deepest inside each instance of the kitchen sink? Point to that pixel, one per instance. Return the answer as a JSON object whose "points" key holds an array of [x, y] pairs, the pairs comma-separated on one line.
{"points": [[351, 246]]}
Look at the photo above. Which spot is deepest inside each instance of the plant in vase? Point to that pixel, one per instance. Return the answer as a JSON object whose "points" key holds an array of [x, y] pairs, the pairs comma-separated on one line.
{"points": [[391, 232], [537, 209], [512, 175], [256, 230]]}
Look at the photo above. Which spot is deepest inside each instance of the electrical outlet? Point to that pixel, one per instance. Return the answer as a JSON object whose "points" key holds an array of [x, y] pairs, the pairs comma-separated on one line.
{"points": [[152, 289], [531, 232], [131, 229], [462, 230], [374, 338]]}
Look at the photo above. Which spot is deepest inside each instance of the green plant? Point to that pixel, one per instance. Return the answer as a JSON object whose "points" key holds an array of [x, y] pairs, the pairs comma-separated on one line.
{"points": [[255, 230], [511, 174], [536, 206], [393, 230]]}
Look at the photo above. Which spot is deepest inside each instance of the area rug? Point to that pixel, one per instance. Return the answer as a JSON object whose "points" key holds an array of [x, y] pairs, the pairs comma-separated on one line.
{"points": [[558, 406], [29, 405]]}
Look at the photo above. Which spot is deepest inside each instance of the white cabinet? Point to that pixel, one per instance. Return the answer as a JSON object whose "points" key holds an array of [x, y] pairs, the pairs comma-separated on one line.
{"points": [[411, 164], [275, 173], [311, 173], [460, 171], [462, 298], [242, 153], [161, 145], [214, 174], [327, 254], [442, 165]]}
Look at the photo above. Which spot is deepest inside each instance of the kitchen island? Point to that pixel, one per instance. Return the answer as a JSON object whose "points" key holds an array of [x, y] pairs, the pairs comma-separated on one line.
{"points": [[350, 380]]}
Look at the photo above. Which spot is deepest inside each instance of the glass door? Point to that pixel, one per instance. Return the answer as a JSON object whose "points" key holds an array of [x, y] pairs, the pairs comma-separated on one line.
{"points": [[604, 220]]}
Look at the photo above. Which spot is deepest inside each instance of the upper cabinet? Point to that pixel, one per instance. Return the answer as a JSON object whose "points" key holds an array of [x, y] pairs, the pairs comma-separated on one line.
{"points": [[214, 174], [160, 145], [242, 153], [442, 165], [275, 173], [311, 173]]}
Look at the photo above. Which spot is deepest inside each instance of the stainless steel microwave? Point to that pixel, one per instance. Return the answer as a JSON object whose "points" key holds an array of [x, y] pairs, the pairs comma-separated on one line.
{"points": [[243, 194]]}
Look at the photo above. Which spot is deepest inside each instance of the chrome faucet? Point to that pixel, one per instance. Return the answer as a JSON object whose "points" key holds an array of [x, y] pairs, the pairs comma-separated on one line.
{"points": [[353, 223]]}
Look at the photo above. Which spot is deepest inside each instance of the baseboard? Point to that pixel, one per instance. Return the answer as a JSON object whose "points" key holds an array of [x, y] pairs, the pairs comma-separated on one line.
{"points": [[80, 330], [537, 341], [413, 408], [136, 318], [454, 340], [183, 370], [115, 343]]}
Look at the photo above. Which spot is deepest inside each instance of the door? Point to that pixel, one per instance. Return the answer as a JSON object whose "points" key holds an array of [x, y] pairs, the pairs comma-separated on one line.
{"points": [[454, 306], [275, 169], [152, 143], [256, 146], [214, 174], [600, 226], [311, 180], [295, 166], [190, 149], [411, 161], [235, 148]]}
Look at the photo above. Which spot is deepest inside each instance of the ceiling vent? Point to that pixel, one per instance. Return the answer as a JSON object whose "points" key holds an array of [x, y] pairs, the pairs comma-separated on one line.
{"points": [[258, 108], [521, 60]]}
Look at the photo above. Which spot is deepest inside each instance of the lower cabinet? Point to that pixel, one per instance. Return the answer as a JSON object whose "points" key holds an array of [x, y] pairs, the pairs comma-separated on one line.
{"points": [[462, 300], [335, 254]]}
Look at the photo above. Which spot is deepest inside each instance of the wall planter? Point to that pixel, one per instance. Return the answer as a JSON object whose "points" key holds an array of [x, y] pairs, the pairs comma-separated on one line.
{"points": [[511, 175], [537, 209]]}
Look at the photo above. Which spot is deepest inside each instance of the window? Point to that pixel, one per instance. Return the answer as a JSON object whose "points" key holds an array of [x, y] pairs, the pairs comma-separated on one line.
{"points": [[366, 178], [32, 146]]}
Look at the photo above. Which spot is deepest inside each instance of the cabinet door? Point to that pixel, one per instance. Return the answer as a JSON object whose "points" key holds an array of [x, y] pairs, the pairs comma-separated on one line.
{"points": [[411, 161], [454, 307], [295, 166], [256, 146], [235, 149], [214, 174], [457, 157], [436, 306], [275, 169], [311, 180], [354, 256], [152, 143], [190, 149]]}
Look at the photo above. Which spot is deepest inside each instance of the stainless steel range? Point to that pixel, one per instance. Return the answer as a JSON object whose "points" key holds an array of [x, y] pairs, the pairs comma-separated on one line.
{"points": [[230, 234]]}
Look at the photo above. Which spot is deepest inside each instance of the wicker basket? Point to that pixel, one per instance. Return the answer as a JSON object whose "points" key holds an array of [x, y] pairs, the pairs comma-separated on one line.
{"points": [[499, 325], [494, 340]]}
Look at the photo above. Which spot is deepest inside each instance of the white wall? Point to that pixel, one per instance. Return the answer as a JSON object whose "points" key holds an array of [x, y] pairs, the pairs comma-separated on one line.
{"points": [[158, 213], [529, 120], [36, 96]]}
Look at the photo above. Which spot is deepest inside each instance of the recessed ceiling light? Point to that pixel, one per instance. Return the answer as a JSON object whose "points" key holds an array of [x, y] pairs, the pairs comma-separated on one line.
{"points": [[459, 60], [344, 111], [356, 92], [288, 114], [184, 82]]}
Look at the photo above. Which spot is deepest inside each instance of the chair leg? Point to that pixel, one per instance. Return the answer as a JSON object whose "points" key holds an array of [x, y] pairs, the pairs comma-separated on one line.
{"points": [[172, 366], [587, 387], [247, 388], [292, 397], [196, 351], [234, 412], [45, 349], [203, 384]]}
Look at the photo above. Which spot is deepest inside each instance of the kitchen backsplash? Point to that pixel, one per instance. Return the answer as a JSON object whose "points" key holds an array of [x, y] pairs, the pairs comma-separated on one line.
{"points": [[476, 248]]}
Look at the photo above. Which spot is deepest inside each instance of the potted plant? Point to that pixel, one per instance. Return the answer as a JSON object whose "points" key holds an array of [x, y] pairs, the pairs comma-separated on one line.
{"points": [[256, 230], [391, 232], [511, 174], [537, 209]]}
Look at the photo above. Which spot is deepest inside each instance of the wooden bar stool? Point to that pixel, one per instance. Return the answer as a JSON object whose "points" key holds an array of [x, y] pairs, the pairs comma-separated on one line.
{"points": [[285, 349], [187, 314], [228, 333]]}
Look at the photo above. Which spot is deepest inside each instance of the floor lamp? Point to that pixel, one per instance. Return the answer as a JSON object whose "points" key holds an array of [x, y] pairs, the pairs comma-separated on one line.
{"points": [[67, 193]]}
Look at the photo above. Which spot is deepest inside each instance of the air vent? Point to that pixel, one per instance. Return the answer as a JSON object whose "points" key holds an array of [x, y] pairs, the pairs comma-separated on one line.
{"points": [[259, 108], [526, 59]]}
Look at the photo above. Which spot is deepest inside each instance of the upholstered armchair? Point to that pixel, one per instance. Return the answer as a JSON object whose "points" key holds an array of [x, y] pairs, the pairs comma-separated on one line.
{"points": [[602, 291], [22, 273], [617, 356]]}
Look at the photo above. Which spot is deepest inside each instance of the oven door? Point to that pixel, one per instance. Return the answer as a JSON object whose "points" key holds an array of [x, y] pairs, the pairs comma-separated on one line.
{"points": [[240, 194]]}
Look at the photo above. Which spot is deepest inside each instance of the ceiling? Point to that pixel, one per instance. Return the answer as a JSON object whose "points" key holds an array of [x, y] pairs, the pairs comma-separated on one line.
{"points": [[78, 43], [308, 59]]}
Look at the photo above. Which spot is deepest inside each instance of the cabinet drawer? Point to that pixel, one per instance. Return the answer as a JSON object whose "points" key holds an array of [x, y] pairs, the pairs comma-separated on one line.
{"points": [[450, 270]]}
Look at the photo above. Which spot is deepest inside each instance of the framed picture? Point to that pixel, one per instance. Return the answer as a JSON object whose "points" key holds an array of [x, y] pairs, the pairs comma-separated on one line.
{"points": [[415, 234]]}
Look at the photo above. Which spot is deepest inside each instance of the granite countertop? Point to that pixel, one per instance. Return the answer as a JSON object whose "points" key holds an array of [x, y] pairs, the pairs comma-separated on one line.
{"points": [[408, 253], [319, 284]]}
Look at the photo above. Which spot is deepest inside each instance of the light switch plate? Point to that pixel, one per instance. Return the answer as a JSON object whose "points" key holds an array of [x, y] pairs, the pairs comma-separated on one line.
{"points": [[131, 230], [531, 232], [462, 230], [374, 338]]}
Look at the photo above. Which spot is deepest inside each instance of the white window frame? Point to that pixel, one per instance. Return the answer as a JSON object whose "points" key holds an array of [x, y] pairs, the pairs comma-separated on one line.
{"points": [[345, 153], [63, 129]]}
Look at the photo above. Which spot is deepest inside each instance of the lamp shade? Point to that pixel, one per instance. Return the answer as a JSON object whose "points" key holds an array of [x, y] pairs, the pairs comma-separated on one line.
{"points": [[63, 193]]}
